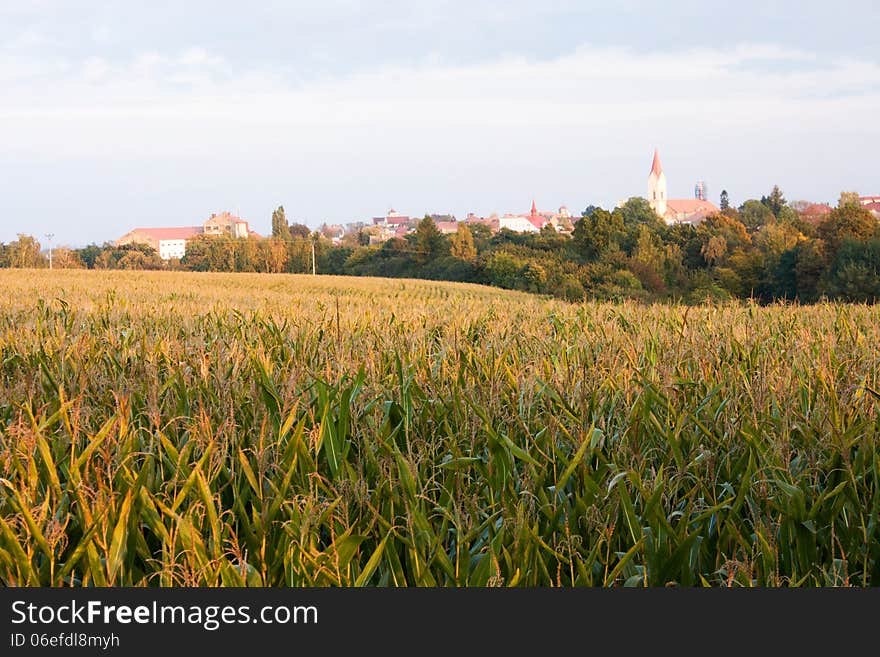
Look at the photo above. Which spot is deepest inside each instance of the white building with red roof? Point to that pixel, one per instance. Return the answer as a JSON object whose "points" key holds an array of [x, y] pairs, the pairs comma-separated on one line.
{"points": [[168, 242], [532, 222], [678, 210], [171, 242]]}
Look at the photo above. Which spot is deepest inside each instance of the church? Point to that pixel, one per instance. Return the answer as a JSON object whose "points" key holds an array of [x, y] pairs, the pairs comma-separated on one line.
{"points": [[678, 210]]}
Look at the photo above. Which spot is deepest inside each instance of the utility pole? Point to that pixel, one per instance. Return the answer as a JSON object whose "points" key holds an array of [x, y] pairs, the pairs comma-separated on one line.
{"points": [[49, 237]]}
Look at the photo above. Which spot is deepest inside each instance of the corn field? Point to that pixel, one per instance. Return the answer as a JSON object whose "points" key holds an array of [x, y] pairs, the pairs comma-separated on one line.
{"points": [[174, 429]]}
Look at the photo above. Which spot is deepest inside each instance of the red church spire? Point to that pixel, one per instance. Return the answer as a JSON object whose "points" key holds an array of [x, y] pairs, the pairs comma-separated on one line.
{"points": [[534, 208], [656, 167]]}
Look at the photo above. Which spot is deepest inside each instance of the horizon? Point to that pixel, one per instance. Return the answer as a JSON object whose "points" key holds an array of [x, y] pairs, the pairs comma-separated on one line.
{"points": [[119, 117]]}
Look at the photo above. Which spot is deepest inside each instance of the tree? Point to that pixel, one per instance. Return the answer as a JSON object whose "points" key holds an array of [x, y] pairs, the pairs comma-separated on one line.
{"points": [[725, 200], [482, 235], [24, 252], [276, 255], [595, 233], [89, 254], [462, 244], [775, 202], [714, 249], [429, 240], [777, 238], [196, 257], [138, 260], [809, 267], [638, 211], [855, 273], [733, 231], [64, 258], [299, 230], [848, 221], [280, 229], [247, 253], [849, 198], [534, 277], [754, 214], [504, 269]]}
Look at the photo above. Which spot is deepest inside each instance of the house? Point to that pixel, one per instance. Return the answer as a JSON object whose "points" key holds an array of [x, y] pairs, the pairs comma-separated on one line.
{"points": [[491, 221], [518, 223], [171, 242], [333, 232], [447, 227], [392, 218], [226, 223], [534, 221], [812, 213]]}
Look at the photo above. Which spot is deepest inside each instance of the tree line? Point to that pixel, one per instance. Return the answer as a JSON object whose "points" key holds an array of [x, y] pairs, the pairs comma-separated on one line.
{"points": [[765, 249]]}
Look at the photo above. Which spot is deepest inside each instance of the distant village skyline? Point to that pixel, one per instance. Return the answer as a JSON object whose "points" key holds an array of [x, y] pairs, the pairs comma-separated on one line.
{"points": [[170, 239], [170, 242]]}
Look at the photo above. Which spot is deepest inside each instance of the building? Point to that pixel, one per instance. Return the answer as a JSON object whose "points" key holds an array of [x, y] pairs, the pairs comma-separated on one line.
{"points": [[518, 223], [392, 219], [334, 232], [813, 213], [447, 227], [171, 242], [688, 210], [226, 223], [491, 221], [675, 211], [168, 242], [532, 222], [657, 187]]}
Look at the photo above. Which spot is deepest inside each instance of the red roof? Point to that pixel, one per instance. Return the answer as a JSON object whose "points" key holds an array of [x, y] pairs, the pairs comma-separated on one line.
{"points": [[817, 208], [447, 226], [179, 233], [873, 207], [815, 212], [690, 206], [696, 217], [656, 167], [393, 221]]}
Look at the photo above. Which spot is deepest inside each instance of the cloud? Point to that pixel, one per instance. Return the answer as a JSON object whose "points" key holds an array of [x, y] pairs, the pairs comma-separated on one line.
{"points": [[435, 134], [196, 83]]}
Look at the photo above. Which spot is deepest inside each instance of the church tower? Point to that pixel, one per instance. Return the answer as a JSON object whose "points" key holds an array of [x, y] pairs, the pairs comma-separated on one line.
{"points": [[657, 187]]}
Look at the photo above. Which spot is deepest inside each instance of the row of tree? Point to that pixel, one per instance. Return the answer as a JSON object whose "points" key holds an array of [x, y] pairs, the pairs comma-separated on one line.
{"points": [[764, 249]]}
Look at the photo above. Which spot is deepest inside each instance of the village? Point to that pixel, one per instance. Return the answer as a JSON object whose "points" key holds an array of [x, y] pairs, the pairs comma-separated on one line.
{"points": [[170, 242]]}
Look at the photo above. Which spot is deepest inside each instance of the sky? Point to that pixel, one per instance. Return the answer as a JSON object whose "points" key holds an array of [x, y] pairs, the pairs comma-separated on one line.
{"points": [[122, 114]]}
